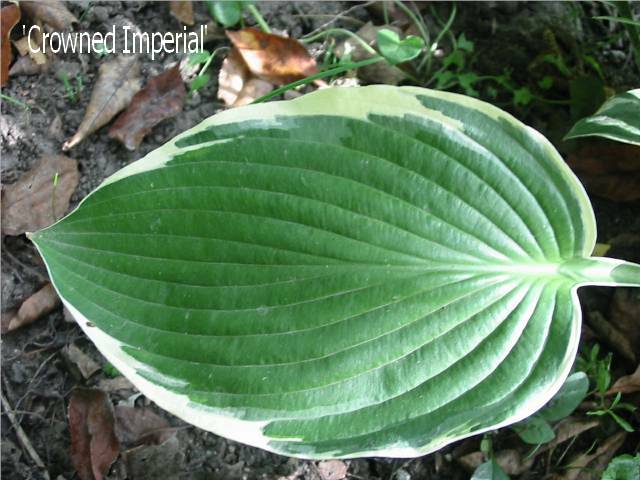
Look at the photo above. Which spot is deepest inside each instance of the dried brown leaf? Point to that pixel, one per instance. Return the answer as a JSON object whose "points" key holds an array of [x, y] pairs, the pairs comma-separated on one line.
{"points": [[612, 336], [22, 45], [510, 460], [153, 462], [236, 85], [624, 312], [26, 66], [254, 88], [52, 12], [232, 77], [32, 45], [36, 306], [183, 11], [9, 16], [94, 445], [565, 430], [137, 426], [115, 385], [332, 470], [118, 81], [577, 466], [163, 97], [626, 384], [608, 169], [28, 204], [84, 362], [276, 59]]}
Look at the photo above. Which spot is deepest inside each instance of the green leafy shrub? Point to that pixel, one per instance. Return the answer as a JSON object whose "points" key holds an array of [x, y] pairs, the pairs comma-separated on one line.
{"points": [[366, 271]]}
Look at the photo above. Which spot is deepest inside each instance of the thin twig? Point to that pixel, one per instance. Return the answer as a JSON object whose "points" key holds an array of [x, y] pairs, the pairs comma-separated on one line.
{"points": [[32, 270], [34, 378], [23, 438]]}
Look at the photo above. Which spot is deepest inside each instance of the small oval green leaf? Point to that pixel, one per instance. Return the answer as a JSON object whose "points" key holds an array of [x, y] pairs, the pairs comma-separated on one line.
{"points": [[228, 12], [573, 391], [360, 271], [534, 430]]}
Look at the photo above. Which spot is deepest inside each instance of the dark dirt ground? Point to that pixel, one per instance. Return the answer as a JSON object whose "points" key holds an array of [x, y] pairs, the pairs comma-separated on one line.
{"points": [[37, 377]]}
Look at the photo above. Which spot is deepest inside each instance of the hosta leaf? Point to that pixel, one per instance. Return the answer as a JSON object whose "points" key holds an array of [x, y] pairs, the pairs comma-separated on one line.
{"points": [[617, 119], [367, 271]]}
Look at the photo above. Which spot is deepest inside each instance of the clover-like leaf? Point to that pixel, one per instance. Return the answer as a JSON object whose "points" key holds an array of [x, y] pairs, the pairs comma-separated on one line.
{"points": [[618, 119], [395, 50], [360, 271]]}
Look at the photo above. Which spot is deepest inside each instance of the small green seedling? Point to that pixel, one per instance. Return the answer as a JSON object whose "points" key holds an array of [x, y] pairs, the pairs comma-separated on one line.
{"points": [[205, 58], [72, 93], [110, 371], [15, 101], [599, 373], [100, 50], [610, 409], [53, 195]]}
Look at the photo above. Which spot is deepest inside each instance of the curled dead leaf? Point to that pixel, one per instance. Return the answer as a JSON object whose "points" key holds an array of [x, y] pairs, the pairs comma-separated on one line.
{"points": [[577, 467], [118, 385], [510, 460], [624, 312], [52, 12], [137, 426], [332, 470], [626, 384], [94, 445], [612, 336], [232, 77], [118, 81], [9, 16], [276, 59], [152, 462], [26, 66], [32, 46], [29, 204], [163, 97], [36, 306], [86, 365], [236, 86], [567, 429]]}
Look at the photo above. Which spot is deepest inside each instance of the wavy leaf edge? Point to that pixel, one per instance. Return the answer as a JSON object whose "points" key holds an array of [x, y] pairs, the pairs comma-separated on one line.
{"points": [[390, 101]]}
